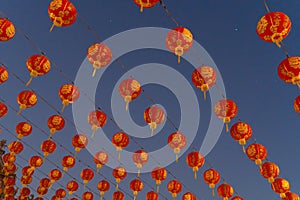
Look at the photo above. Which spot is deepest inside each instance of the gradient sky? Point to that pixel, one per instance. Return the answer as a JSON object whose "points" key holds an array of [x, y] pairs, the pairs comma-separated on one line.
{"points": [[226, 29]]}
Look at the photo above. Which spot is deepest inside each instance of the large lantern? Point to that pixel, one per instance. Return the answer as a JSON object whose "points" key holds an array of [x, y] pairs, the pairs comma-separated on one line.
{"points": [[87, 196], [257, 153], [241, 132], [86, 175], [7, 30], [270, 171], [179, 40], [96, 119], [120, 140], [68, 162], [9, 169], [99, 56], [60, 193], [136, 186], [158, 174], [3, 109], [226, 109], [154, 115], [68, 93], [289, 70], [211, 177], [9, 181], [79, 141], [281, 186], [72, 186], [225, 191], [61, 13], [204, 77], [274, 27], [37, 65], [23, 129], [15, 147], [174, 187], [103, 186], [140, 158], [48, 147], [119, 173], [8, 158], [177, 142], [35, 161], [195, 160], [55, 123], [118, 195], [129, 89], [145, 3], [151, 195], [291, 196], [100, 159], [3, 74], [26, 99], [54, 175], [188, 196]]}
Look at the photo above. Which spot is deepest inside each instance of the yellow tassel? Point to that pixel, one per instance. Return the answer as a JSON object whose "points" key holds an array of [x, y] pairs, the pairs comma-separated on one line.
{"points": [[213, 192], [117, 186], [157, 188], [178, 60], [29, 81], [243, 148], [52, 27], [101, 198], [176, 158], [139, 172], [119, 155], [141, 9], [195, 175], [94, 72], [127, 105], [204, 94], [93, 133], [227, 129], [63, 108]]}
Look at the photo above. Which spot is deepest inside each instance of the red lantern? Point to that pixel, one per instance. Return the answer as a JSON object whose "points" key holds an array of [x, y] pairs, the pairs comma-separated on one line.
{"points": [[25, 192], [23, 129], [27, 171], [100, 159], [211, 177], [37, 65], [129, 89], [136, 186], [281, 186], [61, 13], [3, 73], [188, 196], [68, 93], [174, 188], [270, 171], [48, 147], [15, 147], [26, 99], [177, 142], [7, 30], [55, 123], [297, 104], [119, 173], [120, 140], [55, 175], [289, 70], [41, 191], [179, 40], [8, 191], [86, 175], [99, 56], [158, 174], [8, 158], [26, 181], [226, 109], [68, 162], [274, 27], [9, 181], [225, 191], [72, 186], [45, 183], [291, 196], [237, 198], [35, 161], [154, 115], [195, 160], [87, 196], [60, 193], [118, 195], [9, 169], [204, 77], [96, 119], [257, 153], [140, 158], [145, 3], [103, 186], [79, 141], [151, 195], [241, 132], [3, 109]]}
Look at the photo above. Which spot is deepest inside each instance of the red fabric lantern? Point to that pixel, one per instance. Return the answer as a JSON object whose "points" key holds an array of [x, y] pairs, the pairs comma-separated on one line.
{"points": [[211, 177], [87, 196], [119, 173], [274, 27], [225, 191], [280, 186], [62, 13], [145, 3], [3, 109], [129, 89], [96, 119], [241, 132], [118, 195], [9, 169], [55, 123], [86, 175], [99, 56], [27, 171], [45, 183], [7, 30], [237, 198], [291, 196], [204, 77], [270, 171], [297, 104], [151, 195], [8, 159], [195, 160], [26, 181], [154, 115], [174, 188], [55, 175], [68, 93], [103, 186], [72, 186], [79, 141], [9, 181], [26, 99], [257, 153], [100, 159], [226, 109], [23, 129], [68, 162], [136, 186], [158, 174], [9, 191], [179, 40], [177, 142], [289, 70], [3, 73], [25, 192], [140, 158], [35, 161], [188, 196], [37, 65], [60, 193], [41, 191], [15, 147], [120, 140], [48, 147]]}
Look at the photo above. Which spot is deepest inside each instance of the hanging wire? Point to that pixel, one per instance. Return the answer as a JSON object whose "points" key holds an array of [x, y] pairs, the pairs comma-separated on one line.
{"points": [[163, 5]]}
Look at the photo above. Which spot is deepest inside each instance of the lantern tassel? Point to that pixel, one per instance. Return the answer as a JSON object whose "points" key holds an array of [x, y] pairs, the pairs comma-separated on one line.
{"points": [[93, 133], [101, 197], [134, 198], [97, 171], [117, 186], [195, 175], [227, 129], [94, 72], [152, 132], [119, 155], [141, 9], [139, 172], [157, 188], [204, 95], [127, 105], [178, 60], [29, 81], [213, 192], [176, 157], [19, 112], [63, 108], [52, 27], [244, 149]]}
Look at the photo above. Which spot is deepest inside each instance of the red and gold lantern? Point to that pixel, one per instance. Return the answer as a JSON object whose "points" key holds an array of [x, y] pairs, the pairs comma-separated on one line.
{"points": [[100, 159], [3, 73], [68, 93], [177, 142], [7, 30], [119, 173], [151, 195], [118, 195], [41, 191], [96, 119], [145, 3], [289, 70], [23, 129], [9, 181], [297, 104], [225, 191], [45, 183], [280, 186], [72, 186], [87, 196], [79, 141], [195, 160], [60, 193], [3, 109], [15, 147], [26, 180], [25, 192], [237, 198], [158, 174], [27, 171], [35, 161], [86, 175], [54, 175], [154, 115], [291, 196], [68, 162], [211, 177], [140, 158], [257, 153], [188, 196], [103, 186], [241, 132], [270, 171], [174, 187], [55, 123], [226, 109], [26, 99], [136, 186], [120, 140], [8, 158], [9, 169], [48, 147], [129, 89]]}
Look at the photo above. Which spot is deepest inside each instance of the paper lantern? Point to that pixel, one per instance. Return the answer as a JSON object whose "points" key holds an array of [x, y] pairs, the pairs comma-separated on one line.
{"points": [[140, 158], [79, 141], [3, 110], [225, 191], [9, 181], [48, 147], [188, 196], [7, 30], [103, 186], [55, 123], [25, 192], [226, 109], [68, 162], [291, 196], [60, 193], [100, 159], [9, 169], [177, 142], [26, 180], [26, 99], [35, 161], [54, 175], [27, 171], [280, 186], [270, 171], [120, 140], [41, 191], [154, 115], [86, 175], [8, 158], [145, 3], [129, 89], [158, 174], [289, 70], [257, 153], [151, 195], [87, 196], [174, 187], [119, 173], [68, 93], [15, 147], [136, 186], [237, 198], [72, 186], [211, 177], [3, 73], [45, 183], [241, 132], [96, 119], [118, 195], [195, 160], [23, 129]]}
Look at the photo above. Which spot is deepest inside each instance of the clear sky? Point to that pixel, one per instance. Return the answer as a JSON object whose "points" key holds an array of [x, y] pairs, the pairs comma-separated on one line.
{"points": [[225, 29]]}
